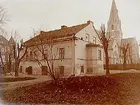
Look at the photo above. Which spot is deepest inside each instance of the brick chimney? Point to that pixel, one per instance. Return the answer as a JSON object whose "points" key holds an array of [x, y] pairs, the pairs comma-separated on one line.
{"points": [[63, 26], [88, 21]]}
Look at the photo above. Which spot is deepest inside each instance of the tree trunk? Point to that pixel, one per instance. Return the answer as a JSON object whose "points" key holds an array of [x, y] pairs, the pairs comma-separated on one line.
{"points": [[16, 68], [124, 63], [107, 62]]}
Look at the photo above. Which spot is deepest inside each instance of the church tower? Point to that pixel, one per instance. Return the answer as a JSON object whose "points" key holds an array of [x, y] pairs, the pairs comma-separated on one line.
{"points": [[114, 24]]}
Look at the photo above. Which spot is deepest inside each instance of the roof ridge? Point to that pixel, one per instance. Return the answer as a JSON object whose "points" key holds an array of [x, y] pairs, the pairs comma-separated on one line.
{"points": [[63, 31], [66, 27]]}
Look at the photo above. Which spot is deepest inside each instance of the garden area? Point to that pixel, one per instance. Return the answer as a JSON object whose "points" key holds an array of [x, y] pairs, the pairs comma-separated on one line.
{"points": [[115, 89]]}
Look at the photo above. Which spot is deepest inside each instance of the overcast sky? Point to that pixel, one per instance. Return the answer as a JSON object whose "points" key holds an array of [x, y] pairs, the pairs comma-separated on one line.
{"points": [[26, 15]]}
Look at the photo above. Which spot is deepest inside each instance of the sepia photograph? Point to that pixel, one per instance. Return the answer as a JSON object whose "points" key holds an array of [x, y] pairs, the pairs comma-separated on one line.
{"points": [[69, 52]]}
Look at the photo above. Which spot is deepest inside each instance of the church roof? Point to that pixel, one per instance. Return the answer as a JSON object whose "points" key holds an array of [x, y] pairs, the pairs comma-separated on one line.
{"points": [[127, 40], [63, 32]]}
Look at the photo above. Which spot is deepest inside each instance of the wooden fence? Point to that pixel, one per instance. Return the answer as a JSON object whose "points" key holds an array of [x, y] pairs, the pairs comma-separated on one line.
{"points": [[123, 67]]}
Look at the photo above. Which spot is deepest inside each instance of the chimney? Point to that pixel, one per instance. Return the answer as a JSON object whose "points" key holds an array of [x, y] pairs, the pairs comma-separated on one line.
{"points": [[41, 32], [89, 21], [63, 27]]}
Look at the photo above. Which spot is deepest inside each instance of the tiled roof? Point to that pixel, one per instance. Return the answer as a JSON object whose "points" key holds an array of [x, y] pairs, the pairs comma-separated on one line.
{"points": [[64, 31]]}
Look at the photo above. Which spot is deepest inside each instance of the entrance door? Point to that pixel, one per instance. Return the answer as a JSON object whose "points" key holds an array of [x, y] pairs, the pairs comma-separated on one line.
{"points": [[29, 70]]}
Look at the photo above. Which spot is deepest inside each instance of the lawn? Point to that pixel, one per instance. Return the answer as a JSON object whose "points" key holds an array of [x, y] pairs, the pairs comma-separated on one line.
{"points": [[116, 89], [14, 79]]}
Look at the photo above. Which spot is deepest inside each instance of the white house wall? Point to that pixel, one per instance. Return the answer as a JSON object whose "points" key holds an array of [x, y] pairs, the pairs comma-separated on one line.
{"points": [[80, 47], [66, 62]]}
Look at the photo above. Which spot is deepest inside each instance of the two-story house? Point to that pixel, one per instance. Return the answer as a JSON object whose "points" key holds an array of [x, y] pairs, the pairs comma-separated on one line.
{"points": [[77, 50]]}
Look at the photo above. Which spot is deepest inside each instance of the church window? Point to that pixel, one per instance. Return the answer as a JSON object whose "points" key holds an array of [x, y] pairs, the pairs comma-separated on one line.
{"points": [[112, 27]]}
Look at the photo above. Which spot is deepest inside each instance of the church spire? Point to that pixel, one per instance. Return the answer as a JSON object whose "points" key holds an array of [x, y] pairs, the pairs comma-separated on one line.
{"points": [[114, 12], [114, 24]]}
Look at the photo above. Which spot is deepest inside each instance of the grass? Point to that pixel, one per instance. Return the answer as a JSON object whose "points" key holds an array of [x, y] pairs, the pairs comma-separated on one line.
{"points": [[14, 79], [117, 89]]}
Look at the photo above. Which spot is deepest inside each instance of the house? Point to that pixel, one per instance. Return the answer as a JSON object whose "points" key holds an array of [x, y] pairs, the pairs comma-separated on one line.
{"points": [[77, 51], [6, 52]]}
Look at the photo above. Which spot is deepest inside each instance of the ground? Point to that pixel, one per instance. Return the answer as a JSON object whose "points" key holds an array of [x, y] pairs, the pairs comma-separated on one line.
{"points": [[115, 89]]}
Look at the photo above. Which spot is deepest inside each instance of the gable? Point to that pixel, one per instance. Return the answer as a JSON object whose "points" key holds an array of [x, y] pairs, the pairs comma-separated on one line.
{"points": [[88, 34]]}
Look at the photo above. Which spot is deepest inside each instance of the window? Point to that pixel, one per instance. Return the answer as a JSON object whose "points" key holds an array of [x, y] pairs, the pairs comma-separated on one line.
{"points": [[99, 55], [89, 70], [35, 54], [82, 69], [31, 55], [87, 37], [61, 53], [94, 40]]}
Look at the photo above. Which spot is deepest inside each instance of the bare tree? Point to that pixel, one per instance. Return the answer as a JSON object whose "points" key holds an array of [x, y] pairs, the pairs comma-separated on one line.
{"points": [[19, 54], [124, 50], [3, 18], [2, 63], [45, 46], [130, 55], [19, 51], [9, 58], [105, 43]]}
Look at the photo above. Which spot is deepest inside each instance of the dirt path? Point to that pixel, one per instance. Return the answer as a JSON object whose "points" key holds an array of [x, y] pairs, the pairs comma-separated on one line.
{"points": [[13, 85]]}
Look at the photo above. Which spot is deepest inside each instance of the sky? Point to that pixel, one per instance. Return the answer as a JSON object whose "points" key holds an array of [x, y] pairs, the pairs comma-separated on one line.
{"points": [[28, 15]]}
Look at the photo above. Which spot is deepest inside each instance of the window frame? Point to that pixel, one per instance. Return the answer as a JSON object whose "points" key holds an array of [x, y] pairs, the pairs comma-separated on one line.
{"points": [[61, 53], [99, 54]]}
